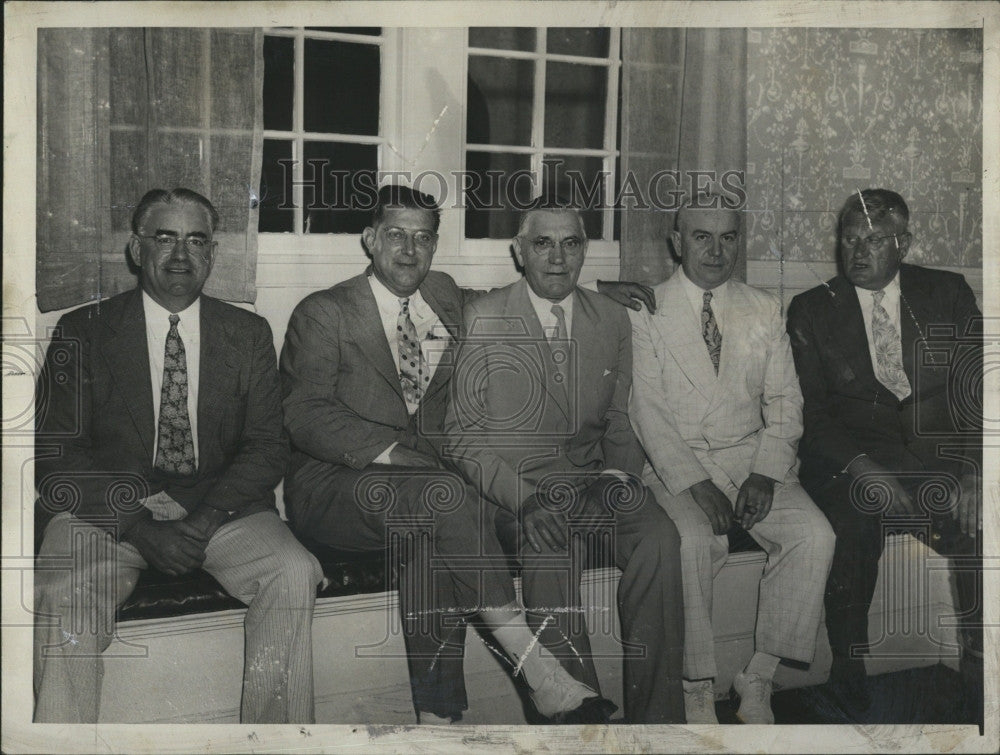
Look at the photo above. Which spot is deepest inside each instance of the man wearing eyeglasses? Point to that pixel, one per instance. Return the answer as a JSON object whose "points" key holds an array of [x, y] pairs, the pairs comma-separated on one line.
{"points": [[168, 432], [889, 356], [538, 419]]}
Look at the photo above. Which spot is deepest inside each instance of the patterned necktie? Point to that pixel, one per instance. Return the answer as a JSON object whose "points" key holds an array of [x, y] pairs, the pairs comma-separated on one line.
{"points": [[559, 345], [174, 442], [413, 375], [710, 330], [888, 350]]}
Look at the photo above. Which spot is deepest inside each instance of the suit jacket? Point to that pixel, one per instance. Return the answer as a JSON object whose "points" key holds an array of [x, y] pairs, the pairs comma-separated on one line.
{"points": [[95, 423], [696, 425], [342, 398], [849, 412], [512, 425]]}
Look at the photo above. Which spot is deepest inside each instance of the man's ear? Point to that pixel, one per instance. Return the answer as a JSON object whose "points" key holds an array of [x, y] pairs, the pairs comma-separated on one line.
{"points": [[368, 237], [134, 250], [516, 246], [904, 240], [675, 242]]}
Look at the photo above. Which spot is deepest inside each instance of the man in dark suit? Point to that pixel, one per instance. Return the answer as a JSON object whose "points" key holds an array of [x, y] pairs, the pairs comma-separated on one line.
{"points": [[162, 449], [364, 368], [539, 423], [889, 359]]}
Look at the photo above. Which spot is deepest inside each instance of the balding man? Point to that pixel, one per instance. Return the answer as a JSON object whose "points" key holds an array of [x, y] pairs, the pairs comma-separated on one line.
{"points": [[717, 406]]}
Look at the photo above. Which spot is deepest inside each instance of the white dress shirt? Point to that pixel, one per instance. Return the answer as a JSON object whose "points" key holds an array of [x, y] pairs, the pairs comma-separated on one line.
{"points": [[189, 329], [890, 302], [696, 296], [543, 308], [432, 333]]}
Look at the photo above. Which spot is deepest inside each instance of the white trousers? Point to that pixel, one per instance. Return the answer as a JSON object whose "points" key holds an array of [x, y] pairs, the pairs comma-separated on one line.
{"points": [[799, 544], [82, 575]]}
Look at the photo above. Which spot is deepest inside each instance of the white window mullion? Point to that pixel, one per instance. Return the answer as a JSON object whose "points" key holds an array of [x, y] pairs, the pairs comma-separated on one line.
{"points": [[298, 125], [610, 132], [538, 108]]}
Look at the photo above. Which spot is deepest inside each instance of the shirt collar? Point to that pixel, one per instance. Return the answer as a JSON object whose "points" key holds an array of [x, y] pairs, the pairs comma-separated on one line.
{"points": [[155, 313], [696, 293], [891, 289], [388, 302], [543, 307]]}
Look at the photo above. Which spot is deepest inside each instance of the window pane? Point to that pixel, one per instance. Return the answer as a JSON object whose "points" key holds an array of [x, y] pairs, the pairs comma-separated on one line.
{"points": [[502, 37], [574, 105], [489, 213], [274, 187], [592, 43], [499, 101], [579, 179], [341, 87], [371, 31], [334, 169], [279, 82]]}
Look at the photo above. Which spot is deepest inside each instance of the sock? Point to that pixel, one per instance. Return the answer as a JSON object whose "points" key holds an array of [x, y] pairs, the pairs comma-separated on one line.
{"points": [[763, 664], [525, 650], [692, 684]]}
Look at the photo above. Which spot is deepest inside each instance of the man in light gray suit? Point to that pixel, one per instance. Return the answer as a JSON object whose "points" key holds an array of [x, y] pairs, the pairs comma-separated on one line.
{"points": [[717, 406]]}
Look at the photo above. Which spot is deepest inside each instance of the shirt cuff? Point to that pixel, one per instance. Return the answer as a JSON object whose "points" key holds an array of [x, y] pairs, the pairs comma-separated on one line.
{"points": [[383, 458]]}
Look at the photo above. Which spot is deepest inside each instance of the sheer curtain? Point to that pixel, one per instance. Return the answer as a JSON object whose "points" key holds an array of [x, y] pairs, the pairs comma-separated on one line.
{"points": [[121, 111], [683, 109]]}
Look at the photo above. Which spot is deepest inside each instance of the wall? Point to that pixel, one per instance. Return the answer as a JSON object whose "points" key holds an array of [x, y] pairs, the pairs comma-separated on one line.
{"points": [[835, 110]]}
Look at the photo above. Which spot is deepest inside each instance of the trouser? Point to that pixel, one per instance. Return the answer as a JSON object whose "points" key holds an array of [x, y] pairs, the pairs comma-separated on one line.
{"points": [[646, 548], [450, 565], [799, 545], [82, 575]]}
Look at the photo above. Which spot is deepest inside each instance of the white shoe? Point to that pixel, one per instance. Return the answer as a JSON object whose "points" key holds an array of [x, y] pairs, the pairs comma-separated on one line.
{"points": [[429, 719], [699, 702], [755, 698], [559, 693]]}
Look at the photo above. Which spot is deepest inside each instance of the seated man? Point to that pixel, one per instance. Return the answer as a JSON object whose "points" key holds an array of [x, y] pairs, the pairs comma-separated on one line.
{"points": [[538, 416], [717, 406], [168, 435], [365, 369], [891, 374]]}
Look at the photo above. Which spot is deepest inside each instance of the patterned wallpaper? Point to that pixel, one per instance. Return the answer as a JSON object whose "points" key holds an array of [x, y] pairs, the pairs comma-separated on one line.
{"points": [[830, 111]]}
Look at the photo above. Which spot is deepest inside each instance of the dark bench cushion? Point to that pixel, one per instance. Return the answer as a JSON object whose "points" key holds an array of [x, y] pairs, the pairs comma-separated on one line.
{"points": [[158, 595]]}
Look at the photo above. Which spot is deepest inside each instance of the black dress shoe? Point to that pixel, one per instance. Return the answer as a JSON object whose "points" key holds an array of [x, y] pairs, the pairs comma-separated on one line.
{"points": [[593, 710], [848, 686]]}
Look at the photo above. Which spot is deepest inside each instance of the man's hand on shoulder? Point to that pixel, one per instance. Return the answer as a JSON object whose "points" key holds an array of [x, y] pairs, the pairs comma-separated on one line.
{"points": [[879, 482], [714, 503], [407, 457], [754, 500], [628, 294], [173, 547]]}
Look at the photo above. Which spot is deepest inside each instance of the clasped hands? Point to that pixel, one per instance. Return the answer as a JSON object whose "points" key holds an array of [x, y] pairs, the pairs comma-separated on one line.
{"points": [[177, 546], [545, 523], [753, 502]]}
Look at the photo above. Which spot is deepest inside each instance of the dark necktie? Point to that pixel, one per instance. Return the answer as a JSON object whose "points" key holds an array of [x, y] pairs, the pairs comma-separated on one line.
{"points": [[710, 330], [888, 351], [174, 442], [413, 375]]}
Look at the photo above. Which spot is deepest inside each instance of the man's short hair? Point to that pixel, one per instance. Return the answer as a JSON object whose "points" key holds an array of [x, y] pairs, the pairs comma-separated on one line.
{"points": [[702, 200], [878, 204], [551, 200], [180, 195], [397, 197]]}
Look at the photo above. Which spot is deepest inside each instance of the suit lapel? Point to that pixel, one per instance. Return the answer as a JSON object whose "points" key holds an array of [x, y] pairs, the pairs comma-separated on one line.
{"points": [[912, 298], [126, 353], [450, 315], [218, 375], [733, 358], [364, 326], [849, 327], [680, 328]]}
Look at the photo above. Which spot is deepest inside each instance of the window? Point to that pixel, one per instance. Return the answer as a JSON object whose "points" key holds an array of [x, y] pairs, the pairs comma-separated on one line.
{"points": [[323, 127], [542, 109]]}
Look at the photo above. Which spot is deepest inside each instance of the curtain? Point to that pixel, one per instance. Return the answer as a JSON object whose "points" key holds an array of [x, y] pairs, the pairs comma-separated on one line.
{"points": [[122, 111], [683, 109]]}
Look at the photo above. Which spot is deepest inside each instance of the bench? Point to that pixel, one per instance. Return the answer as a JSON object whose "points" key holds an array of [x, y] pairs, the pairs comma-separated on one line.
{"points": [[178, 654]]}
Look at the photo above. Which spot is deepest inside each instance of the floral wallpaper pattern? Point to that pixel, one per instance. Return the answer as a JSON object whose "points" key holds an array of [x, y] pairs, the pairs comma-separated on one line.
{"points": [[830, 111]]}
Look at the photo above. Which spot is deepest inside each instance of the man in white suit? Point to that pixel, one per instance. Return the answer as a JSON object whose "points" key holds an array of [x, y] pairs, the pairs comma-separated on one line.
{"points": [[717, 406]]}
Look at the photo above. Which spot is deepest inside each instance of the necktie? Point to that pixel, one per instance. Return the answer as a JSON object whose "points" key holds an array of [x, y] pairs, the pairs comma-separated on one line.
{"points": [[559, 345], [888, 350], [413, 376], [710, 330], [174, 442]]}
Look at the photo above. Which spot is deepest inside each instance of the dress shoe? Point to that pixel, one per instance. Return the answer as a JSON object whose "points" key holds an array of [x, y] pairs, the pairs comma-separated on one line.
{"points": [[593, 710], [425, 718], [563, 699], [755, 698]]}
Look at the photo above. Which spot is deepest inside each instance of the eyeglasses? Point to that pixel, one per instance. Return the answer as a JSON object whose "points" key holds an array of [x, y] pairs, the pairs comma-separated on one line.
{"points": [[421, 239], [875, 243], [167, 242], [569, 246]]}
